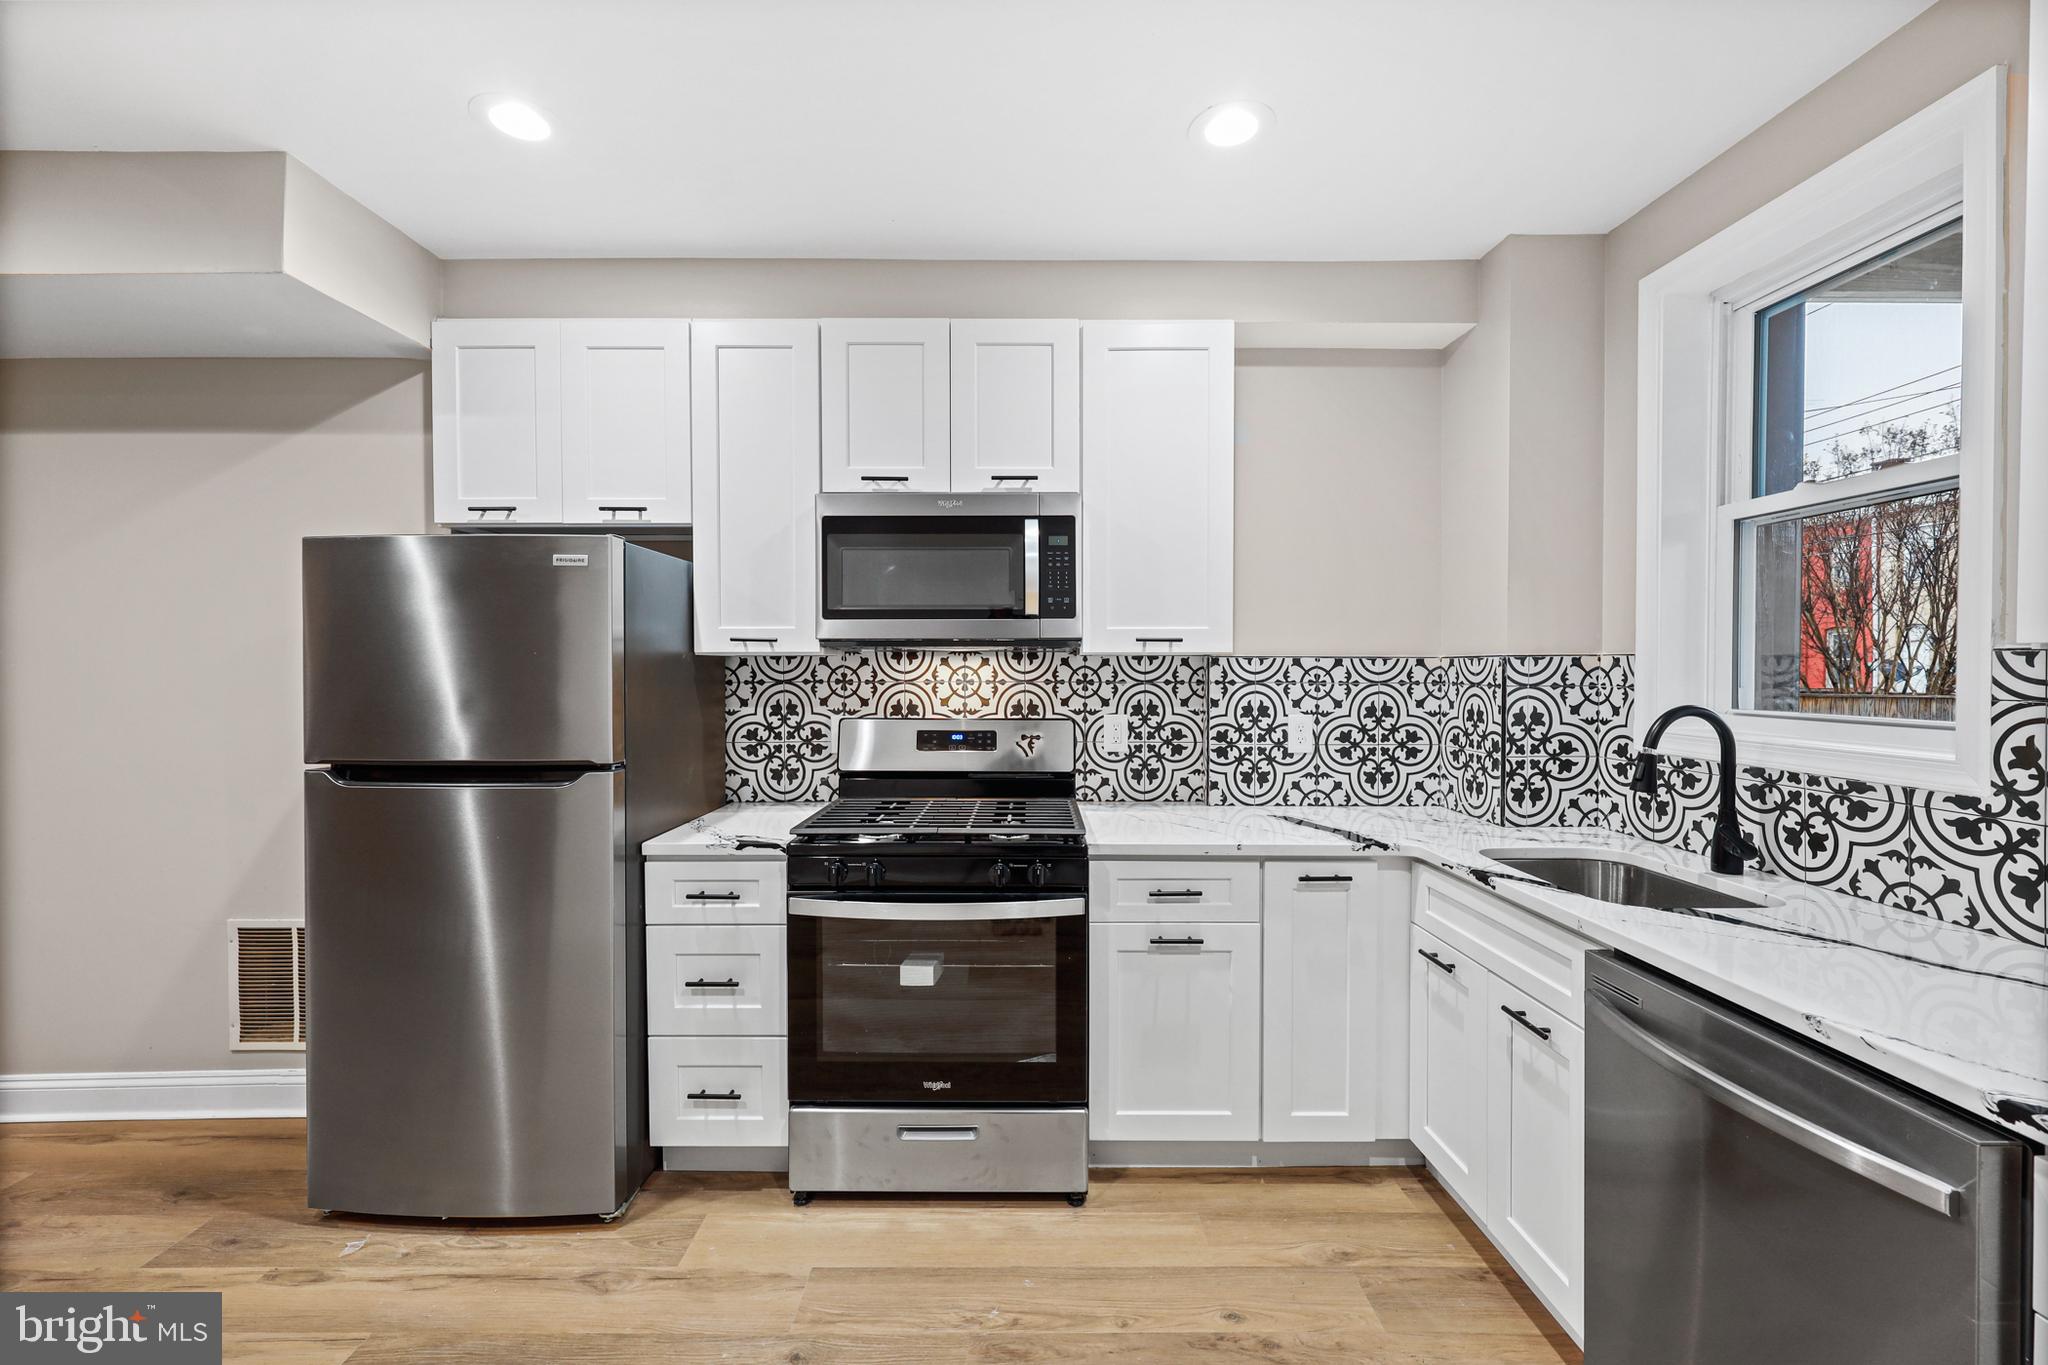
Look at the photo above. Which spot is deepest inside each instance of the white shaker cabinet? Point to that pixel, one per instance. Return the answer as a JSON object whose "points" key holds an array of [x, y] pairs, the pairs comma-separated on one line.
{"points": [[1535, 1162], [497, 420], [1016, 405], [885, 404], [1158, 442], [754, 486], [1447, 1083], [1173, 1021], [626, 421], [1323, 985]]}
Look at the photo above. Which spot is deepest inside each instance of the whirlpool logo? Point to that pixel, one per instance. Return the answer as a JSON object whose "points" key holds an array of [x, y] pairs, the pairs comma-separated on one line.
{"points": [[938, 1085], [112, 1327]]}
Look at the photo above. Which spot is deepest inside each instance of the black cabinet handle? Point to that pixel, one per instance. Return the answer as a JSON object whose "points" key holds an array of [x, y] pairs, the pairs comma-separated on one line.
{"points": [[508, 509], [1013, 478], [755, 639], [1522, 1017], [1189, 895], [728, 984], [708, 1095], [712, 896], [1324, 877], [1451, 967], [885, 478], [1160, 639], [642, 510], [1176, 943]]}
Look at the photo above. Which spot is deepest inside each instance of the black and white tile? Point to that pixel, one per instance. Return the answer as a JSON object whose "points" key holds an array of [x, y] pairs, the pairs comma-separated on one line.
{"points": [[1561, 718]]}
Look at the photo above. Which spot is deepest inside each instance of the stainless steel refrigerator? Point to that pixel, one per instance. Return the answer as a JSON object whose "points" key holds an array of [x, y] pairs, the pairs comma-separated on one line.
{"points": [[500, 721]]}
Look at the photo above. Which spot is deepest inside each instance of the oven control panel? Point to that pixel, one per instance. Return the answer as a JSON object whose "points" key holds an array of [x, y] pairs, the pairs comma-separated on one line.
{"points": [[1056, 568], [956, 741]]}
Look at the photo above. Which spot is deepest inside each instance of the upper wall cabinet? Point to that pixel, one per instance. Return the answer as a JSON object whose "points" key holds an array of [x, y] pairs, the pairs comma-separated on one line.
{"points": [[885, 405], [1157, 488], [1016, 405], [497, 420], [626, 420], [566, 423], [754, 436]]}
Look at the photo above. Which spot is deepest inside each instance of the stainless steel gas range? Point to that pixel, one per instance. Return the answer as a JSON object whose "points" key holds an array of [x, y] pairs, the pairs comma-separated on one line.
{"points": [[938, 965]]}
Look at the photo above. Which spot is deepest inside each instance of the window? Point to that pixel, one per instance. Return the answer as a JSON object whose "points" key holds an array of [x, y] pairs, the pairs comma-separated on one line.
{"points": [[1819, 461]]}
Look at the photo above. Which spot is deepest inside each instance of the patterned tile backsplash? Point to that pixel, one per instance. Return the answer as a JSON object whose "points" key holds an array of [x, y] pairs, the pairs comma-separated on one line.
{"points": [[1519, 739]]}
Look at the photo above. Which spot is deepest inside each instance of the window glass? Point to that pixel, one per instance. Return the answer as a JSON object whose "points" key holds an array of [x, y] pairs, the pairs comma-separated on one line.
{"points": [[1864, 371]]}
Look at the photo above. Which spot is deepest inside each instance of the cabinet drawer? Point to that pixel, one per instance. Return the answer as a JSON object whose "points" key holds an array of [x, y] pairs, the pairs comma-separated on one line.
{"points": [[1152, 893], [1539, 958], [707, 892], [718, 1092], [717, 979]]}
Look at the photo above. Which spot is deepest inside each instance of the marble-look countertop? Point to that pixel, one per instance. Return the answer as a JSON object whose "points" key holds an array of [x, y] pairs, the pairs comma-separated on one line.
{"points": [[1960, 1014]]}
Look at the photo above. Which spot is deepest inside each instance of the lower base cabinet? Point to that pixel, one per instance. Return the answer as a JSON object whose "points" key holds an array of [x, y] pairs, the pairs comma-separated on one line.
{"points": [[1173, 1025], [718, 1092], [1323, 984], [1447, 1064]]}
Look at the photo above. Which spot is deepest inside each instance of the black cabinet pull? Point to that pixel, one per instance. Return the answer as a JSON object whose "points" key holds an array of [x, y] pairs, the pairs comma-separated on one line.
{"points": [[1160, 639], [508, 509], [755, 639], [712, 896], [1189, 894], [1324, 877], [708, 1095], [642, 510], [1013, 478], [728, 984], [1522, 1017], [1176, 943], [1451, 967], [885, 478]]}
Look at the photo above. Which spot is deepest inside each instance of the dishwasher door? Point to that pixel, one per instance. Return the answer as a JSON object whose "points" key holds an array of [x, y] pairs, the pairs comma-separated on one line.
{"points": [[1750, 1199]]}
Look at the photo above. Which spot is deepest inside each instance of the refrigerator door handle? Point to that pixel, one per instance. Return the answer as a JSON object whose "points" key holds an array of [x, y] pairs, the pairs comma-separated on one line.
{"points": [[1923, 1189]]}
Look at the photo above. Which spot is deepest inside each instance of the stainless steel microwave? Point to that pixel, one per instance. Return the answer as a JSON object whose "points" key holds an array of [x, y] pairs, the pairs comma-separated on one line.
{"points": [[947, 567]]}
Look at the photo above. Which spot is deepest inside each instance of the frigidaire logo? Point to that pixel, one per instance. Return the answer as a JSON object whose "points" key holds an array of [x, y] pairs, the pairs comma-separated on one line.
{"points": [[938, 1085], [169, 1327]]}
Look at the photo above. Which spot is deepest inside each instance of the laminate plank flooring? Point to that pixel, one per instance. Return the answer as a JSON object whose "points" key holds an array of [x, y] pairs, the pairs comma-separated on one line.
{"points": [[1376, 1266]]}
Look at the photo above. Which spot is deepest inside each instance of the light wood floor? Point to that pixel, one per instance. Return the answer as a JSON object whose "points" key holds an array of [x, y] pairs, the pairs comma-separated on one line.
{"points": [[1371, 1266]]}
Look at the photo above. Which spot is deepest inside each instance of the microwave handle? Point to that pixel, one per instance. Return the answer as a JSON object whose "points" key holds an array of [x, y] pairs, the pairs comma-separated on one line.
{"points": [[1031, 566]]}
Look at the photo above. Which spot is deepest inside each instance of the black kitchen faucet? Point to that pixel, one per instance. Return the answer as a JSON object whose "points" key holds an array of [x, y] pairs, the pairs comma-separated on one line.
{"points": [[1732, 849]]}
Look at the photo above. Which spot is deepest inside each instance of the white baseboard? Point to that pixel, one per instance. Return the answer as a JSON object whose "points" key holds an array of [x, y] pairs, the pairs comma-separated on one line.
{"points": [[68, 1097]]}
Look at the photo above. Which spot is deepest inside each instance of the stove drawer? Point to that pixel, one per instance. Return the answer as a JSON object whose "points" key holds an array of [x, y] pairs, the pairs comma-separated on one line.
{"points": [[717, 979], [708, 891], [1207, 891], [718, 1092]]}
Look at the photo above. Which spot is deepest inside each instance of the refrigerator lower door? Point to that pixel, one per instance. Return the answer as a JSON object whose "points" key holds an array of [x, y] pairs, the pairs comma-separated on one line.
{"points": [[469, 1051]]}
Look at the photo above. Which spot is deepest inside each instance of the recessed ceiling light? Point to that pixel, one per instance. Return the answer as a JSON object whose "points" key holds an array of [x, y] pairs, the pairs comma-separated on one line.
{"points": [[1230, 125], [512, 117]]}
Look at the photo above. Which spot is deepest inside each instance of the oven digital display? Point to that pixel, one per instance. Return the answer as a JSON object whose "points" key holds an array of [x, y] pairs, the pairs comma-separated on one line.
{"points": [[956, 741]]}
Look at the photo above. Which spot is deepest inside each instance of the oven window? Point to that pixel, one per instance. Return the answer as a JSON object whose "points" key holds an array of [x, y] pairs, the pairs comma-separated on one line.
{"points": [[972, 567], [962, 991]]}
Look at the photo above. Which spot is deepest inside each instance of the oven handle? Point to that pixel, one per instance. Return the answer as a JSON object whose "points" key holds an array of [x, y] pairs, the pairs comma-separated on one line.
{"points": [[1923, 1189], [937, 911]]}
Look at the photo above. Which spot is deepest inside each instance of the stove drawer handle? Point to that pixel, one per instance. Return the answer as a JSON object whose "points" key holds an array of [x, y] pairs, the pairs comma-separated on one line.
{"points": [[942, 1133], [712, 1095], [727, 985], [1177, 942], [712, 896], [1188, 895]]}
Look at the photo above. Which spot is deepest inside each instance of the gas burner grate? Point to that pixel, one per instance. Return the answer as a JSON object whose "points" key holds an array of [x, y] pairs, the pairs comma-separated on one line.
{"points": [[945, 815]]}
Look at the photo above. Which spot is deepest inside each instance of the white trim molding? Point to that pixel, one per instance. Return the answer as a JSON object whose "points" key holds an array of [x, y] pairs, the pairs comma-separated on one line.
{"points": [[74, 1096], [1692, 428], [2030, 570]]}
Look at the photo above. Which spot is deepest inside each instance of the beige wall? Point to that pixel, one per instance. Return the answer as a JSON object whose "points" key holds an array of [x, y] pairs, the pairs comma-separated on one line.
{"points": [[150, 517], [1337, 472], [1946, 46]]}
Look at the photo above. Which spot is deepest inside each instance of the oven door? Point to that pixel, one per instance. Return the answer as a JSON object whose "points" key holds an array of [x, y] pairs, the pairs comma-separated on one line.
{"points": [[944, 1002], [892, 568]]}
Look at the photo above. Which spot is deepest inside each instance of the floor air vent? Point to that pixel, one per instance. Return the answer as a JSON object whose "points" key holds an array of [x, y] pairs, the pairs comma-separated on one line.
{"points": [[268, 974]]}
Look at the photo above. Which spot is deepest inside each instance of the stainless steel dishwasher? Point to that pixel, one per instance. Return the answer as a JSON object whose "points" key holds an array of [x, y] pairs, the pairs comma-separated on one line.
{"points": [[1752, 1200]]}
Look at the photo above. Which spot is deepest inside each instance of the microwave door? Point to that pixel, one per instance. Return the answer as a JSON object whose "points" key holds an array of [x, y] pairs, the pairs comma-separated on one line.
{"points": [[928, 578]]}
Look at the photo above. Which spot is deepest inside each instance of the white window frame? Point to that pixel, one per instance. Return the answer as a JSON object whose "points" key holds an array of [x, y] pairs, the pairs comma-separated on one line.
{"points": [[1695, 357]]}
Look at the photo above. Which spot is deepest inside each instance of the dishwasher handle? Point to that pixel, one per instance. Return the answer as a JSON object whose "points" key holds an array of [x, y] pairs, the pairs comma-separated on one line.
{"points": [[1918, 1186]]}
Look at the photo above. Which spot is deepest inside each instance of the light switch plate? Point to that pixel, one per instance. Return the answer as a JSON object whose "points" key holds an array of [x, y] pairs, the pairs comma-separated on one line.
{"points": [[1114, 736], [1301, 734]]}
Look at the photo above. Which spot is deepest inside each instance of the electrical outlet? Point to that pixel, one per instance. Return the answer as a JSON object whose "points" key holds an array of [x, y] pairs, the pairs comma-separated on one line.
{"points": [[1301, 734], [1114, 736]]}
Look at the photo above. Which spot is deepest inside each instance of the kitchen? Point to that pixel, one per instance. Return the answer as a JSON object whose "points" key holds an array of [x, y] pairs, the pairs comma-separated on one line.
{"points": [[1012, 768]]}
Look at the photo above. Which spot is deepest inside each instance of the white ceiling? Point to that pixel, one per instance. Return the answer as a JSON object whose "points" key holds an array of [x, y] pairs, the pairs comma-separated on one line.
{"points": [[992, 129]]}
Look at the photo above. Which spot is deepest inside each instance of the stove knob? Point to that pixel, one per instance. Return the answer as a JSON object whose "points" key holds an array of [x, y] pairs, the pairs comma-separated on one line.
{"points": [[1000, 874], [835, 872], [874, 872], [1040, 873]]}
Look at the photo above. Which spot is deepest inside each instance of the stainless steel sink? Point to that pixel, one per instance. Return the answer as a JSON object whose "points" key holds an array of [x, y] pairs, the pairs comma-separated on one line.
{"points": [[1617, 882]]}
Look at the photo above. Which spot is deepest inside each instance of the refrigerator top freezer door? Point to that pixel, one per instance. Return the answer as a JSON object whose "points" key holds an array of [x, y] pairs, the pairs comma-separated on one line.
{"points": [[464, 649]]}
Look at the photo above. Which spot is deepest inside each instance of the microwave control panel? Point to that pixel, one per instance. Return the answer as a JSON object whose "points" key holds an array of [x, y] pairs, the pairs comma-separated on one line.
{"points": [[1056, 563]]}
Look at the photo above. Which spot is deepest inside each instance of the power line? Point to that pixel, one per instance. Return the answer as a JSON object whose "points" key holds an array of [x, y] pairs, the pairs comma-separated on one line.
{"points": [[1830, 407], [1876, 408], [1900, 417]]}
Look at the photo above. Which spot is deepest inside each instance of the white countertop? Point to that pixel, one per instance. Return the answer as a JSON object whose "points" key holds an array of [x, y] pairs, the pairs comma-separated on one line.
{"points": [[1958, 1013]]}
